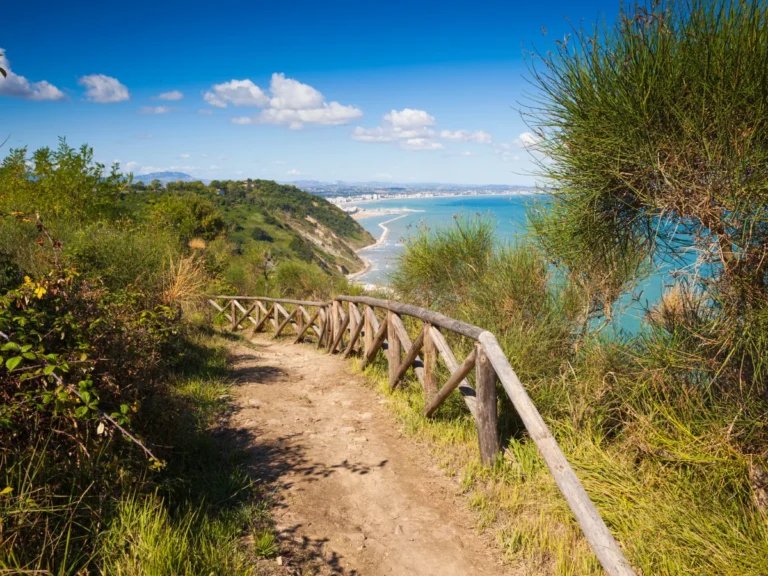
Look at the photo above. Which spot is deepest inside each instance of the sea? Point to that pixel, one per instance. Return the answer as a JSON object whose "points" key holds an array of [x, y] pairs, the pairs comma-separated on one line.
{"points": [[509, 214]]}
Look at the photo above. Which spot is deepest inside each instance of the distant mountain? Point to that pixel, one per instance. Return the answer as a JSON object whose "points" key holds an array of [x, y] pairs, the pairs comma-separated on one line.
{"points": [[393, 185], [164, 177]]}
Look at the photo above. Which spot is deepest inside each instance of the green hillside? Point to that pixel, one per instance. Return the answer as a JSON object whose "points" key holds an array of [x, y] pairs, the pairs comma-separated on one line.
{"points": [[262, 214]]}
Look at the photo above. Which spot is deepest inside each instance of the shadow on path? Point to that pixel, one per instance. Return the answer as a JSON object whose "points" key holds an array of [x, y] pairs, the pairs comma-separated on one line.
{"points": [[280, 464]]}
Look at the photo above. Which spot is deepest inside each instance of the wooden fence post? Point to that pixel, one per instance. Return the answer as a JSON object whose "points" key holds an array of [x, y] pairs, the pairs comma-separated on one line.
{"points": [[393, 348], [367, 332], [234, 313], [430, 364], [487, 421], [300, 320], [323, 327], [336, 318], [352, 320]]}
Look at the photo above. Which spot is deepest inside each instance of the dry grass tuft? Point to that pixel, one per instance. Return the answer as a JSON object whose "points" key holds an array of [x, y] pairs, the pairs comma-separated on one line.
{"points": [[183, 282]]}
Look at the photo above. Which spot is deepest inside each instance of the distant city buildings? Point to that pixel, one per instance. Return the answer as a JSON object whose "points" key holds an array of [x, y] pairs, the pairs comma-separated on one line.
{"points": [[350, 195]]}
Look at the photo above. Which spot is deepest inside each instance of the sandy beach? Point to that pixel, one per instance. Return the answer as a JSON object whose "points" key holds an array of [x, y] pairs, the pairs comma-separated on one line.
{"points": [[379, 242], [372, 213]]}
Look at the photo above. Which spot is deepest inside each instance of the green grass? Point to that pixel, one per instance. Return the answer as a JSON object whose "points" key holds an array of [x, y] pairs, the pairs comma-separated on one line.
{"points": [[145, 539], [687, 510], [202, 514], [667, 464]]}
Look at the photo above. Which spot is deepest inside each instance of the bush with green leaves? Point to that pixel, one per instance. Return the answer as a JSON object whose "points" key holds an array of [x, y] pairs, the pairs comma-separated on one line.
{"points": [[60, 184], [651, 135], [189, 215]]}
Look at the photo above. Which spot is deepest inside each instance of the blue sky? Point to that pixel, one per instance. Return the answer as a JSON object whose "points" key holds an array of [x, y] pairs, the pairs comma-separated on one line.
{"points": [[356, 91]]}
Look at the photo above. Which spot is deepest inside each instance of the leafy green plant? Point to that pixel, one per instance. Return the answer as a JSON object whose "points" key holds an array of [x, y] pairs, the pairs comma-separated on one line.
{"points": [[650, 134]]}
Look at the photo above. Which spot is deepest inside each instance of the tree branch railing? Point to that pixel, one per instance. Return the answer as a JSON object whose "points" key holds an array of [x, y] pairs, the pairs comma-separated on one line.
{"points": [[355, 319]]}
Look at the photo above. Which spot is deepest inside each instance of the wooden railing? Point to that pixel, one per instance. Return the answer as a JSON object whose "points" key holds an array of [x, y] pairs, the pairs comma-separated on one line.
{"points": [[361, 325]]}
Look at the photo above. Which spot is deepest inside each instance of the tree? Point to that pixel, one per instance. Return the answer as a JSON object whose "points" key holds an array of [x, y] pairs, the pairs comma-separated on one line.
{"points": [[156, 185], [60, 183], [654, 137], [190, 215], [262, 265]]}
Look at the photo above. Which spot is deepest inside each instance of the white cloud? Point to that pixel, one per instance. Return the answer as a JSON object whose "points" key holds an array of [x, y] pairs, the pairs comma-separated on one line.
{"points": [[279, 162], [507, 151], [479, 136], [237, 93], [411, 129], [132, 166], [333, 114], [421, 144], [526, 140], [293, 172], [154, 110], [205, 112], [291, 103], [409, 118], [185, 155], [172, 95], [19, 87], [378, 134], [104, 89], [389, 134], [465, 153], [291, 94]]}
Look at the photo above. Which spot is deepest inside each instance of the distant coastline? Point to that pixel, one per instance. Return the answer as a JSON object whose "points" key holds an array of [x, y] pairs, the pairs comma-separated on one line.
{"points": [[349, 204], [374, 212], [379, 242]]}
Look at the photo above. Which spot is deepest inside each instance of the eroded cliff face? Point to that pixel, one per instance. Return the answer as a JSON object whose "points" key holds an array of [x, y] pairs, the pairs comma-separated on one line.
{"points": [[336, 251]]}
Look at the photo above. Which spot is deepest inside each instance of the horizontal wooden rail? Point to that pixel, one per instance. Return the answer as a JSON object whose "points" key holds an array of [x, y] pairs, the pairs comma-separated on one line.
{"points": [[265, 299], [430, 316], [331, 323]]}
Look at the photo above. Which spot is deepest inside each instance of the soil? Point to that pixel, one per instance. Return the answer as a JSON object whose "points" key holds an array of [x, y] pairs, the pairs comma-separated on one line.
{"points": [[352, 495]]}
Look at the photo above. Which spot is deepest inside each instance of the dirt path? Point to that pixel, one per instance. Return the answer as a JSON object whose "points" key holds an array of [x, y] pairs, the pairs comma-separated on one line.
{"points": [[353, 495]]}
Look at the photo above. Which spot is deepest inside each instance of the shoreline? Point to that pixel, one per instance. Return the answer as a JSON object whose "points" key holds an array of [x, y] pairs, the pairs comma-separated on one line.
{"points": [[415, 197], [364, 213], [379, 242]]}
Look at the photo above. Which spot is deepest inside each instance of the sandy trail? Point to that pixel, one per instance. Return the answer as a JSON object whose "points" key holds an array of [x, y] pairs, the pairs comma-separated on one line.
{"points": [[353, 495]]}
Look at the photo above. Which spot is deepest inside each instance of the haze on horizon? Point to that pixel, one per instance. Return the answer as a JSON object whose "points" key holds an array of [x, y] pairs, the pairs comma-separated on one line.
{"points": [[397, 92]]}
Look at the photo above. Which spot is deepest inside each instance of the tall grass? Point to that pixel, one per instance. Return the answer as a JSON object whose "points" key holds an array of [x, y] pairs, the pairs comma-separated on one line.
{"points": [[670, 465], [651, 135]]}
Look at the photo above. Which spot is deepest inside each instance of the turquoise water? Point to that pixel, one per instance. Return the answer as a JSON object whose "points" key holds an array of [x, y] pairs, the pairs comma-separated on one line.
{"points": [[509, 215]]}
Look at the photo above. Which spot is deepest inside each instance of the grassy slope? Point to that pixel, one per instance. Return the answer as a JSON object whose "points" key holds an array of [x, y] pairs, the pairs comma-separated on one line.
{"points": [[207, 515], [668, 521], [295, 218]]}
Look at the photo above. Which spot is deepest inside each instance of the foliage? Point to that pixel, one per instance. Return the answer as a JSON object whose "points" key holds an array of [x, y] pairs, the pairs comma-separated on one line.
{"points": [[656, 149], [657, 452], [61, 183], [462, 271], [107, 391], [189, 215]]}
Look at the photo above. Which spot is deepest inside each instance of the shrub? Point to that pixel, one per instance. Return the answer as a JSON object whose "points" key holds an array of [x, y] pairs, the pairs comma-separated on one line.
{"points": [[261, 235], [123, 255], [189, 215], [656, 151]]}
